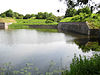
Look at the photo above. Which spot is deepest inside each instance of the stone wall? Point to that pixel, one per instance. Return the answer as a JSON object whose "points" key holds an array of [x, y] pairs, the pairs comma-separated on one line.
{"points": [[43, 26], [76, 27], [4, 25]]}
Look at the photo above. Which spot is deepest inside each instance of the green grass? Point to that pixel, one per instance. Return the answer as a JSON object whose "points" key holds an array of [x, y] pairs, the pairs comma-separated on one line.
{"points": [[23, 23], [92, 19], [47, 30], [66, 19]]}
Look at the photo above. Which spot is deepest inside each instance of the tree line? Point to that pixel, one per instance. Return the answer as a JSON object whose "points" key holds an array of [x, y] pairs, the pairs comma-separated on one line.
{"points": [[40, 15], [84, 6]]}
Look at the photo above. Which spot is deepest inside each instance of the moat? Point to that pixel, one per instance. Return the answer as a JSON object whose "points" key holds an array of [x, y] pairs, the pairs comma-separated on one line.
{"points": [[44, 51]]}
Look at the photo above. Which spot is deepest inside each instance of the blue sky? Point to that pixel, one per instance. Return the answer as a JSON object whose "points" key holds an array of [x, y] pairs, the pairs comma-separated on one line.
{"points": [[34, 6]]}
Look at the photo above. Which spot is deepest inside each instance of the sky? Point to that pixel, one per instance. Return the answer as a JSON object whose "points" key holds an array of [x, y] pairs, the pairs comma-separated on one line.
{"points": [[34, 6]]}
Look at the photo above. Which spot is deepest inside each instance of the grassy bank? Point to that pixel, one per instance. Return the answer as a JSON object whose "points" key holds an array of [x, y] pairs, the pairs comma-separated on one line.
{"points": [[7, 20], [84, 66], [47, 30], [92, 19], [22, 23]]}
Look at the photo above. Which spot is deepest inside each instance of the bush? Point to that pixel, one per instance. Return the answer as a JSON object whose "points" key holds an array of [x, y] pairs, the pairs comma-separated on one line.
{"points": [[49, 21], [59, 18], [27, 16], [84, 66], [3, 15], [70, 12], [43, 15], [84, 10]]}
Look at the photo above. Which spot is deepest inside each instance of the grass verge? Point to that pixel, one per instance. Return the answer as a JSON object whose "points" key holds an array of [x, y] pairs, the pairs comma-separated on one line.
{"points": [[92, 19], [22, 23]]}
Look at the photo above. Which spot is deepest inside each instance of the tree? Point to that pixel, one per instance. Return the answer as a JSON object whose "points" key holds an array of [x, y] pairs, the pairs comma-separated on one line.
{"points": [[86, 10], [44, 15], [70, 12], [32, 15], [3, 15], [59, 18], [51, 19], [9, 13], [81, 3], [27, 16], [98, 12], [18, 16], [39, 15]]}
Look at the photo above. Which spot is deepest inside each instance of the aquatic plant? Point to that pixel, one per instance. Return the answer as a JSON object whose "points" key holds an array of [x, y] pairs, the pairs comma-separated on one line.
{"points": [[84, 66]]}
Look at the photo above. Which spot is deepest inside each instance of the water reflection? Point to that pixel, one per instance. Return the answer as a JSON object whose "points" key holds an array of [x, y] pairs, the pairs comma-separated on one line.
{"points": [[84, 42], [47, 51], [88, 44]]}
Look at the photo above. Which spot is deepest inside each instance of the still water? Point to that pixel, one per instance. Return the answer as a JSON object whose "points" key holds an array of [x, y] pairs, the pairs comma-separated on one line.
{"points": [[44, 51]]}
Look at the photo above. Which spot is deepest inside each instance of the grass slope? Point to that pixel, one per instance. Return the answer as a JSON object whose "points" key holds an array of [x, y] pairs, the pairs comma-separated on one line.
{"points": [[7, 20], [22, 23], [93, 19]]}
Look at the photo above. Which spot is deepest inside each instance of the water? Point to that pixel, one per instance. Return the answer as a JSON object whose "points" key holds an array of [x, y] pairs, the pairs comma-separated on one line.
{"points": [[46, 51]]}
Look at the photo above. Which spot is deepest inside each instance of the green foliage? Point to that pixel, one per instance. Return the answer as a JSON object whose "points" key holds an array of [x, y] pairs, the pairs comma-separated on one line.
{"points": [[59, 18], [82, 1], [44, 15], [82, 17], [89, 46], [39, 15], [23, 23], [98, 12], [86, 10], [92, 19], [27, 16], [47, 30], [68, 19], [51, 19], [9, 13], [70, 12], [3, 15], [84, 66]]}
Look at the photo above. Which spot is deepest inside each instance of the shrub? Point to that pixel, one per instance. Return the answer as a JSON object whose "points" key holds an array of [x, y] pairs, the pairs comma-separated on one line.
{"points": [[27, 16], [51, 19], [84, 66], [59, 18], [70, 12], [48, 21], [84, 10]]}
